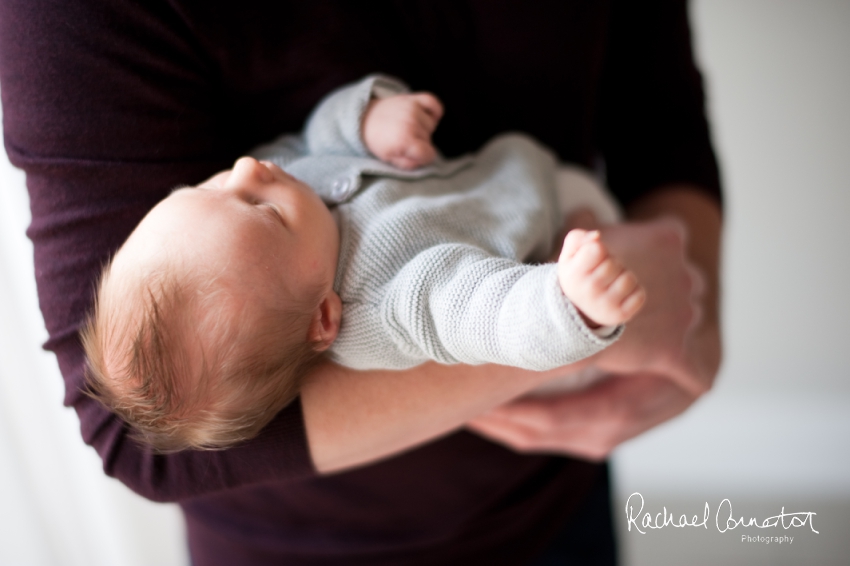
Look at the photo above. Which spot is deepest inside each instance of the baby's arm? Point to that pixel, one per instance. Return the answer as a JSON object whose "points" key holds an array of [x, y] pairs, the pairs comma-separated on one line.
{"points": [[603, 291], [376, 116], [335, 127], [397, 129], [456, 303]]}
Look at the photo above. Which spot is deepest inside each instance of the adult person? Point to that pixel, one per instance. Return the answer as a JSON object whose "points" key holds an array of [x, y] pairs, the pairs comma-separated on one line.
{"points": [[110, 104]]}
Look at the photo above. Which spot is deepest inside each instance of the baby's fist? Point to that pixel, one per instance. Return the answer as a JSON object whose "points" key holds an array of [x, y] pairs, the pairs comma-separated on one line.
{"points": [[604, 292], [398, 129]]}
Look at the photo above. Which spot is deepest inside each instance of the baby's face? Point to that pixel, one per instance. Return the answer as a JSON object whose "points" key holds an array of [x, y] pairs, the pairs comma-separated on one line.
{"points": [[255, 228]]}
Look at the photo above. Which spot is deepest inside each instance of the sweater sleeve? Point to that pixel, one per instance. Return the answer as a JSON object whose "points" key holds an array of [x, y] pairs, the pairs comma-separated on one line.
{"points": [[455, 303], [106, 109], [334, 127]]}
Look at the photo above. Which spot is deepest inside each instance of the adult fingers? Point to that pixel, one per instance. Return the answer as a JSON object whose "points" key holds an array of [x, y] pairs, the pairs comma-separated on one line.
{"points": [[507, 433], [538, 414], [588, 439], [698, 284]]}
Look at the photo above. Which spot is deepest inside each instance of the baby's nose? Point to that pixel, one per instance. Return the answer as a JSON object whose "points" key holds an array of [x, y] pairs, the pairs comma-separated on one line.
{"points": [[247, 169]]}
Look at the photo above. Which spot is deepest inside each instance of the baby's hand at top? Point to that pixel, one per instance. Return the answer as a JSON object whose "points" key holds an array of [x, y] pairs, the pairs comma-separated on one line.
{"points": [[398, 129], [604, 292]]}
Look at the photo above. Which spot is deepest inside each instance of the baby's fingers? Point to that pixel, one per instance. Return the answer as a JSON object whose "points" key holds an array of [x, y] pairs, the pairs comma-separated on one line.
{"points": [[626, 295], [633, 303], [415, 153], [423, 113], [430, 104], [421, 151], [575, 240], [588, 258]]}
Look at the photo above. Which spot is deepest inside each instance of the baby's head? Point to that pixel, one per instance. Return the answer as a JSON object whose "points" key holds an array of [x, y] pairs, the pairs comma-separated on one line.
{"points": [[209, 315]]}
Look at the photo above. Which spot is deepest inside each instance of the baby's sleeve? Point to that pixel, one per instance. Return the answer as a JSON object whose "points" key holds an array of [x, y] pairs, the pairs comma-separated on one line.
{"points": [[334, 126], [455, 303]]}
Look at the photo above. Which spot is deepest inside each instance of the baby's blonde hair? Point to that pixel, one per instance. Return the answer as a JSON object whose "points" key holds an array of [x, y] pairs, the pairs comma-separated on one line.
{"points": [[138, 339]]}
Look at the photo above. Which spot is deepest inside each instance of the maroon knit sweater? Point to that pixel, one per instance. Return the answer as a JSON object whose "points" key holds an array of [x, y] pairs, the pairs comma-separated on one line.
{"points": [[108, 104]]}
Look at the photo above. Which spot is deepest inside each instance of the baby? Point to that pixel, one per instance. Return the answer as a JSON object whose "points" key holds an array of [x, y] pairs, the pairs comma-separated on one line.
{"points": [[354, 238]]}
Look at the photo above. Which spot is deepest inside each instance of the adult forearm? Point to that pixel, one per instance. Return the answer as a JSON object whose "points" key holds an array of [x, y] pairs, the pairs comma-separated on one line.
{"points": [[354, 418]]}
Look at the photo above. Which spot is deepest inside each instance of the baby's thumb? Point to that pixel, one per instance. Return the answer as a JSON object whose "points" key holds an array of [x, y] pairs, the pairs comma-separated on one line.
{"points": [[575, 239], [421, 152]]}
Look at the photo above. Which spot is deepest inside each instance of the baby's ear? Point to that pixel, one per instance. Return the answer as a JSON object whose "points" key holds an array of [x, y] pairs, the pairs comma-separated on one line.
{"points": [[325, 323]]}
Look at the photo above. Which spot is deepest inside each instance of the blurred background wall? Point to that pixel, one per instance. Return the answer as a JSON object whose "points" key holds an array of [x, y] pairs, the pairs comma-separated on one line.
{"points": [[774, 433]]}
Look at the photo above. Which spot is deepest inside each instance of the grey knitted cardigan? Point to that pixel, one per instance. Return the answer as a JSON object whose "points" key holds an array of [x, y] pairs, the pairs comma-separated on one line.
{"points": [[435, 263]]}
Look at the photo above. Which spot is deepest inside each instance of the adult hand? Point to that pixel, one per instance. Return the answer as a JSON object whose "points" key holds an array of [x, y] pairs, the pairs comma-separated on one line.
{"points": [[699, 360], [655, 341], [587, 424], [673, 344], [658, 340], [670, 336], [658, 375]]}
